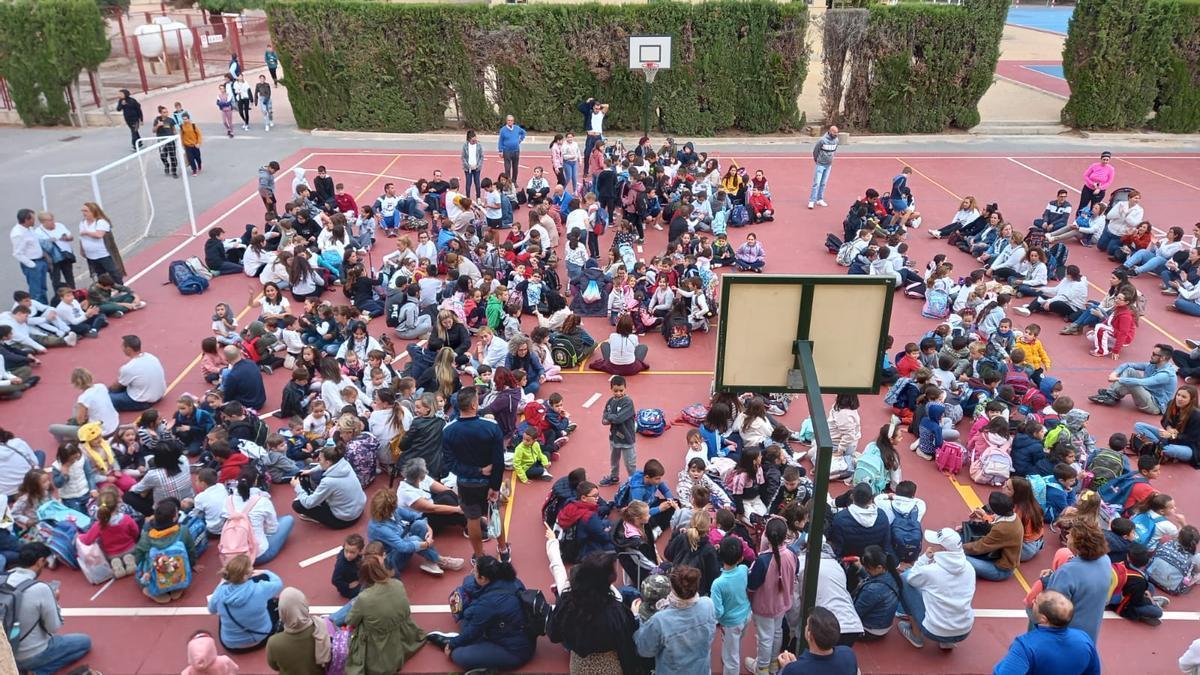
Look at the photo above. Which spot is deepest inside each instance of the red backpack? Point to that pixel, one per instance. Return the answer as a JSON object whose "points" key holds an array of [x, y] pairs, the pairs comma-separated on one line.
{"points": [[535, 416]]}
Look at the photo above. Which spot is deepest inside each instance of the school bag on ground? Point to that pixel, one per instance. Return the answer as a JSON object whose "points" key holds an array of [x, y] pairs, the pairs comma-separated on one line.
{"points": [[339, 647], [166, 569], [186, 281], [949, 457], [237, 534], [892, 397], [92, 562], [832, 243], [906, 534], [1171, 569], [739, 217], [870, 470], [680, 337], [694, 414], [937, 304], [651, 422], [1144, 526], [1106, 465], [197, 266], [992, 467], [845, 254], [1117, 490]]}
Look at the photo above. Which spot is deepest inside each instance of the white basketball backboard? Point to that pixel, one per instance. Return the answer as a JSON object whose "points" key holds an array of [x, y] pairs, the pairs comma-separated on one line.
{"points": [[655, 49]]}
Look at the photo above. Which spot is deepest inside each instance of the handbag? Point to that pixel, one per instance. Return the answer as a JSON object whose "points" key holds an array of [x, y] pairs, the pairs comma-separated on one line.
{"points": [[56, 254], [495, 523], [92, 562]]}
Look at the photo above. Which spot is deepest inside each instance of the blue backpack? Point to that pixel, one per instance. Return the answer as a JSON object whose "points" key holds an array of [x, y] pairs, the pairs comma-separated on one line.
{"points": [[740, 216], [651, 422], [1116, 491], [892, 397], [1144, 525], [906, 535], [166, 569], [185, 280]]}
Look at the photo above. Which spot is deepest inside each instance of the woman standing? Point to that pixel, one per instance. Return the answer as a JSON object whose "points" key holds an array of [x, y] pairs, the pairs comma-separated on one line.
{"points": [[570, 163], [244, 97], [384, 637], [304, 647], [680, 637], [556, 159], [242, 601], [1096, 180], [592, 623], [98, 245]]}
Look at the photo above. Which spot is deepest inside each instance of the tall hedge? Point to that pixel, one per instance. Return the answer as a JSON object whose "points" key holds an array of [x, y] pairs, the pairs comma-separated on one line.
{"points": [[395, 67], [931, 64], [44, 45], [1177, 103]]}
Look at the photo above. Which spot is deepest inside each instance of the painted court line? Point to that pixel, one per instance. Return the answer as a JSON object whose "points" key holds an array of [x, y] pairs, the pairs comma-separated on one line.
{"points": [[1161, 175], [781, 155], [1028, 85], [1157, 231], [364, 173], [102, 589], [308, 562], [591, 400]]}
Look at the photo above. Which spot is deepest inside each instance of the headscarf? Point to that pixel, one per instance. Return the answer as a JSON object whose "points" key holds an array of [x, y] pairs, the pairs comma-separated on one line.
{"points": [[293, 611]]}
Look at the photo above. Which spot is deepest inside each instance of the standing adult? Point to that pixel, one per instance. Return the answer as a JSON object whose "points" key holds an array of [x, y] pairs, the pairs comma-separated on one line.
{"points": [[511, 137], [98, 244], [141, 382], [473, 449], [679, 638], [39, 647], [243, 383], [131, 110], [164, 127], [28, 251], [190, 135], [266, 186], [272, 61], [1087, 579], [1052, 647], [1096, 180], [472, 162], [823, 160], [593, 112], [62, 258]]}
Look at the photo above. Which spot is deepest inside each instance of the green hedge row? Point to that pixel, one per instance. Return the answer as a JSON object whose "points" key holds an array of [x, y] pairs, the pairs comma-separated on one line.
{"points": [[1128, 59], [394, 67], [44, 45]]}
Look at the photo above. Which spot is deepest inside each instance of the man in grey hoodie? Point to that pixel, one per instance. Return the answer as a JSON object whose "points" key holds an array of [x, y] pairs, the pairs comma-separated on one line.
{"points": [[338, 500], [823, 158]]}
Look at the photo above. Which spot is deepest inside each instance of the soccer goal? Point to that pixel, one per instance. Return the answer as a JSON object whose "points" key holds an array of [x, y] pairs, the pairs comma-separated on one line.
{"points": [[141, 202]]}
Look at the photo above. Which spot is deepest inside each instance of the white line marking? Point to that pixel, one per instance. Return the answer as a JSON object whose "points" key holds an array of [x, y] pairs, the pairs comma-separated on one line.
{"points": [[1157, 231], [781, 155], [640, 249], [404, 354], [595, 397], [365, 173], [307, 562], [1027, 85], [203, 611], [1020, 614], [102, 589]]}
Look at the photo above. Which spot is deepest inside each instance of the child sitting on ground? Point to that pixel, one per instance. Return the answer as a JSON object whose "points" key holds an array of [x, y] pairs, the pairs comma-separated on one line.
{"points": [[528, 458], [212, 361], [1035, 353], [1134, 600]]}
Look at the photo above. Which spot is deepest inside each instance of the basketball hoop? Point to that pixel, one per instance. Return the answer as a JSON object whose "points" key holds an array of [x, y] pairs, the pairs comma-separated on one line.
{"points": [[649, 69]]}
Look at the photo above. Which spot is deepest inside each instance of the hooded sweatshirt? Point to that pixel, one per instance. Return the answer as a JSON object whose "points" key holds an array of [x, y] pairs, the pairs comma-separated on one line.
{"points": [[242, 609], [947, 585], [831, 593], [339, 487], [825, 147], [118, 537], [856, 527], [204, 660], [931, 429]]}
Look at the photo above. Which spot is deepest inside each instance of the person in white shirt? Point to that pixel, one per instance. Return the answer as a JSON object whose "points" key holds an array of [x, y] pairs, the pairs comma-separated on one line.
{"points": [[12, 385], [270, 530], [426, 248], [141, 382], [92, 405], [16, 459], [22, 334], [209, 502], [492, 210], [257, 259], [43, 320], [387, 207], [419, 492], [28, 251], [387, 420], [86, 322], [1068, 297], [492, 350], [1122, 219], [537, 188], [62, 261], [937, 593], [95, 237], [452, 196]]}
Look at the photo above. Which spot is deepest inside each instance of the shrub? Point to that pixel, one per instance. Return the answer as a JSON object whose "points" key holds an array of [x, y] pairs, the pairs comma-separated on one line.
{"points": [[1177, 105], [396, 67], [44, 45]]}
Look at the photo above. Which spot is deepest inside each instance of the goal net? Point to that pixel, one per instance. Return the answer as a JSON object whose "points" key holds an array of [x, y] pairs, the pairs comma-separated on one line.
{"points": [[143, 203]]}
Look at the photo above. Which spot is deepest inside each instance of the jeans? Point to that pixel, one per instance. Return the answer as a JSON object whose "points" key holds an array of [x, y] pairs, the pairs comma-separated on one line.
{"points": [[1173, 450], [731, 649], [616, 454], [1145, 261], [10, 547], [512, 160], [756, 265], [36, 277], [193, 157], [570, 171], [60, 652], [339, 617], [588, 145], [487, 655], [416, 535], [134, 135], [912, 599], [988, 570], [105, 265], [276, 540], [820, 178], [1107, 239], [123, 402], [471, 178], [768, 632], [268, 110], [1086, 318], [1031, 548], [1189, 307], [227, 268]]}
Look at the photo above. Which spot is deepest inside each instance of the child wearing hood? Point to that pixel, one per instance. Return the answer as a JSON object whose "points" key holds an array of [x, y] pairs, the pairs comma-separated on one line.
{"points": [[930, 435], [224, 324], [203, 658]]}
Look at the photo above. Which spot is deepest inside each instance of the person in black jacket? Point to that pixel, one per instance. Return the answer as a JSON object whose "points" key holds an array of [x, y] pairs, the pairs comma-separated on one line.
{"points": [[591, 621], [690, 546], [424, 437], [451, 332], [606, 188], [129, 107], [215, 256], [860, 525], [326, 194]]}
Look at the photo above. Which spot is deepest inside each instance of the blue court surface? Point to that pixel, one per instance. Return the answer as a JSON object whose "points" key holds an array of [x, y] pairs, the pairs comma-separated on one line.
{"points": [[1051, 70], [1049, 19]]}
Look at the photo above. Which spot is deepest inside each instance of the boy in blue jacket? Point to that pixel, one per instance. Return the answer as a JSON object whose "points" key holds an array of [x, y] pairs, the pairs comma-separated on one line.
{"points": [[647, 485], [1059, 494], [731, 604]]}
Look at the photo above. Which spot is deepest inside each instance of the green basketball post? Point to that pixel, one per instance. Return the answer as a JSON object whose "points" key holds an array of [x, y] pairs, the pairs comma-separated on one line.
{"points": [[647, 98]]}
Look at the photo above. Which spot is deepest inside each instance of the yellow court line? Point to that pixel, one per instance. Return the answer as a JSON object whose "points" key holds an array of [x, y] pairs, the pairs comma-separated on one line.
{"points": [[508, 508], [1161, 175], [973, 502]]}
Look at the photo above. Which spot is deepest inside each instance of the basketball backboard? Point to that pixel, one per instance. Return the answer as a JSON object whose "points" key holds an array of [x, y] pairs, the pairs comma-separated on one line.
{"points": [[845, 318], [649, 49]]}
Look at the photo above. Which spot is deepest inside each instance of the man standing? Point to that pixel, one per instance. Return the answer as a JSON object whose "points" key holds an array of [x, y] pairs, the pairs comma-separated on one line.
{"points": [[1052, 647], [262, 98], [28, 251], [190, 135], [593, 112], [823, 158], [132, 111], [141, 382], [272, 61], [243, 383], [164, 127], [473, 448], [511, 137], [266, 186], [37, 646]]}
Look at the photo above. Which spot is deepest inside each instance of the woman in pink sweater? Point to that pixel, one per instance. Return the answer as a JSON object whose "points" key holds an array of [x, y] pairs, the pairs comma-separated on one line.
{"points": [[772, 582], [1096, 180], [118, 533]]}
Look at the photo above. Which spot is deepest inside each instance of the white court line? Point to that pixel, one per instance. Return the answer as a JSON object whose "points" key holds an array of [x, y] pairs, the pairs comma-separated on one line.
{"points": [[781, 155], [203, 611], [307, 562], [102, 589], [591, 401], [364, 173], [640, 249], [402, 355], [1020, 614], [1021, 83]]}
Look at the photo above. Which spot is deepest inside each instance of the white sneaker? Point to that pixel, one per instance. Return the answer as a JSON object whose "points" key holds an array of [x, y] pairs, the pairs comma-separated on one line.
{"points": [[448, 563], [432, 568], [810, 205], [546, 475], [71, 339], [658, 226], [821, 202], [1023, 311]]}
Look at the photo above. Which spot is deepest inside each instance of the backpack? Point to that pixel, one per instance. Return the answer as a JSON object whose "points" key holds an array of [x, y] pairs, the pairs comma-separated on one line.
{"points": [[166, 569], [562, 351], [1033, 402], [536, 611], [1035, 238], [870, 470], [937, 304], [680, 338], [906, 534], [1039, 484], [740, 216], [1117, 490], [568, 543], [832, 243], [1019, 381], [550, 508], [339, 644], [694, 414], [1056, 261], [992, 467], [651, 422], [845, 254], [10, 603], [197, 266], [237, 534], [949, 457], [1144, 525], [892, 397], [186, 281], [1106, 465], [1170, 569]]}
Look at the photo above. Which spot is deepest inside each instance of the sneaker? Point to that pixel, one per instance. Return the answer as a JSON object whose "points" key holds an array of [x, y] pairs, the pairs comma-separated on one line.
{"points": [[935, 234], [907, 631], [160, 599], [430, 567], [1103, 399], [448, 563], [658, 226], [71, 339], [439, 638], [560, 441], [554, 457], [1150, 620], [118, 568], [1070, 329], [915, 223], [546, 475], [506, 554], [572, 426], [1161, 600], [1192, 344], [1170, 291], [821, 202], [307, 518], [266, 369], [609, 481], [32, 381], [140, 304], [130, 562], [117, 314], [810, 205], [1023, 310], [946, 646], [751, 665]]}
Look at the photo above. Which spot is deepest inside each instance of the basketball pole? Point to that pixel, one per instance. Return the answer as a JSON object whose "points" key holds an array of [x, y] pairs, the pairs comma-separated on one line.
{"points": [[647, 97], [807, 370]]}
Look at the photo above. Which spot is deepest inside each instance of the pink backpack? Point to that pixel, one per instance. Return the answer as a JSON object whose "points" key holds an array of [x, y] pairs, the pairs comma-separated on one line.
{"points": [[991, 467], [237, 535], [949, 457]]}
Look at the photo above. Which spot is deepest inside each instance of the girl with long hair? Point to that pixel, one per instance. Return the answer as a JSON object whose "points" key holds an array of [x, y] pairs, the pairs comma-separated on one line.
{"points": [[878, 592], [691, 546], [1033, 518], [1180, 426], [772, 582], [117, 532]]}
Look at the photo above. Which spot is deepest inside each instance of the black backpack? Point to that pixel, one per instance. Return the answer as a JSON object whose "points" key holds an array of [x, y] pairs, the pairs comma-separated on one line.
{"points": [[536, 611], [10, 603]]}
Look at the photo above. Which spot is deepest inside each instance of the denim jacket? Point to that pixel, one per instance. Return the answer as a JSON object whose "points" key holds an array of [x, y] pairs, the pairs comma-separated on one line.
{"points": [[680, 640]]}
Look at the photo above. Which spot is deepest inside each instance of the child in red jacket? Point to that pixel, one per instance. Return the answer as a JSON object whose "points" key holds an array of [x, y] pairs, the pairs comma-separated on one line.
{"points": [[910, 362], [1117, 330]]}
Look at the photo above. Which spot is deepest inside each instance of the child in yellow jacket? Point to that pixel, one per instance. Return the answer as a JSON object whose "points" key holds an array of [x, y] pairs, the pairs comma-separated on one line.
{"points": [[528, 458], [1035, 354]]}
